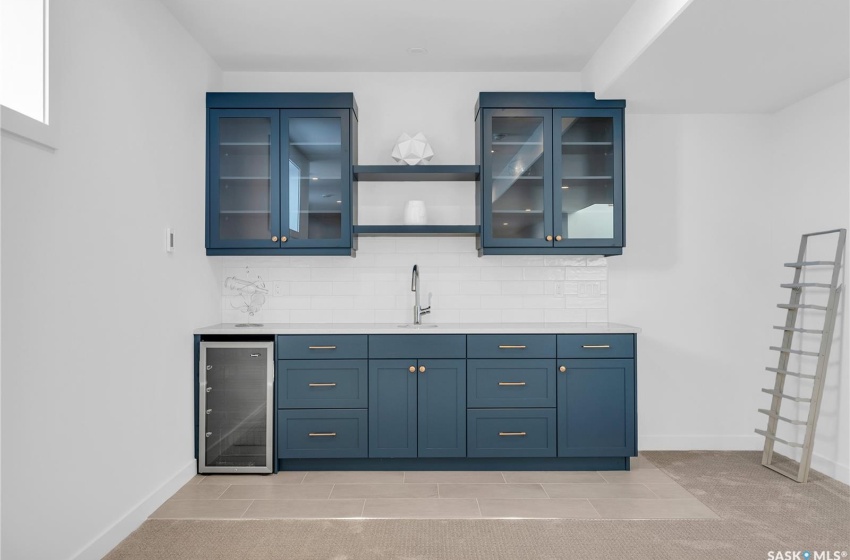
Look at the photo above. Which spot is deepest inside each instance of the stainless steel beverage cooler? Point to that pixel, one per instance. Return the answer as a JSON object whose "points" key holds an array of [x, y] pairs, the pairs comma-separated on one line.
{"points": [[236, 404]]}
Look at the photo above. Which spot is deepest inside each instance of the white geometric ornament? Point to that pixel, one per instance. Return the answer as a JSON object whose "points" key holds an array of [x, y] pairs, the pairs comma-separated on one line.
{"points": [[412, 151]]}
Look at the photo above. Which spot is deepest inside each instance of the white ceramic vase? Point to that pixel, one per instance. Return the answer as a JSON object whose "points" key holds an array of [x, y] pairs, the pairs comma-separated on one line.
{"points": [[415, 213]]}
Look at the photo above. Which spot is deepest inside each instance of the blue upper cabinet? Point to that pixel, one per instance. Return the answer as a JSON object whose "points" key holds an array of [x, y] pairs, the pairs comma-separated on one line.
{"points": [[279, 173], [551, 173]]}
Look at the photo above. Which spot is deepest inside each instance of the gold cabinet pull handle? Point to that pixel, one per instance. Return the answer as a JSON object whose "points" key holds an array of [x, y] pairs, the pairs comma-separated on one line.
{"points": [[274, 238], [512, 383], [321, 347], [421, 369], [321, 385], [412, 369], [562, 369], [558, 238], [548, 238], [507, 434], [512, 346], [322, 434], [283, 239], [596, 346]]}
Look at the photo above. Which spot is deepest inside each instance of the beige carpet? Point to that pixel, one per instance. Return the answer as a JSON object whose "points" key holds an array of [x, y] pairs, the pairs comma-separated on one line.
{"points": [[760, 511]]}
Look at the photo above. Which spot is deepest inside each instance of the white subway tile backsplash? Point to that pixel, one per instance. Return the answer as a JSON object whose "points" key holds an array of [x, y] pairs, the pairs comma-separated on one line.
{"points": [[522, 287], [522, 260], [507, 302], [398, 316], [564, 260], [353, 316], [543, 302], [587, 273], [565, 315], [523, 315], [312, 316], [440, 316], [311, 288], [480, 315], [332, 302], [456, 302], [501, 273], [460, 285], [483, 287], [597, 315], [543, 273]]}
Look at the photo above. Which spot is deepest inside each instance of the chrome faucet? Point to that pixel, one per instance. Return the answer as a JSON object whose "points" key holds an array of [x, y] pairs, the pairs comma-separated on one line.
{"points": [[418, 310]]}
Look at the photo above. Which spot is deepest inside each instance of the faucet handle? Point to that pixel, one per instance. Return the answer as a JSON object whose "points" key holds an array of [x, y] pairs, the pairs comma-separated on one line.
{"points": [[424, 310]]}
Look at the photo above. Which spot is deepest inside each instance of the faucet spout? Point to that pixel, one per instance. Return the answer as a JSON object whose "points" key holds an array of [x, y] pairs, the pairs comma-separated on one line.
{"points": [[418, 310]]}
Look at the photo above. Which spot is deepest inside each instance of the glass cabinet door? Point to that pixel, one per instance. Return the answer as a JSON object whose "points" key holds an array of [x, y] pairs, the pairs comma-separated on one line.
{"points": [[315, 199], [243, 175], [587, 194], [517, 177]]}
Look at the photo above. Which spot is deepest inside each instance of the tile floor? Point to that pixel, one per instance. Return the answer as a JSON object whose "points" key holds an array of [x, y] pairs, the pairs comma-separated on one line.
{"points": [[645, 492]]}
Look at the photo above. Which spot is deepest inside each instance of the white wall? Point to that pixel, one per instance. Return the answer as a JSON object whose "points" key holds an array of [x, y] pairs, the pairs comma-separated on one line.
{"points": [[810, 191], [715, 205], [97, 318], [693, 276]]}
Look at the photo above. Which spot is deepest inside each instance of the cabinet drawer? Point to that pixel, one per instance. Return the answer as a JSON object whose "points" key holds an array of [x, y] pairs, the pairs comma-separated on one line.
{"points": [[596, 346], [317, 434], [322, 384], [510, 346], [510, 383], [321, 346], [413, 346], [500, 432]]}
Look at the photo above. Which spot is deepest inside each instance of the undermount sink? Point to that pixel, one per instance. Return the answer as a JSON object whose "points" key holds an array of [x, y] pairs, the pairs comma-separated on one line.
{"points": [[411, 326]]}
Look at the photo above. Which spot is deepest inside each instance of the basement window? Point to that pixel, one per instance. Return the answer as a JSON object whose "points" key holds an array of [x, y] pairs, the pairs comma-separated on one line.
{"points": [[24, 69]]}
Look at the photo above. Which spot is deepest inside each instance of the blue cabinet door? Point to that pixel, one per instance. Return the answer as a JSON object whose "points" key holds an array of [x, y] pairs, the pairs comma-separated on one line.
{"points": [[315, 186], [596, 408], [243, 179], [588, 177], [442, 408], [516, 176], [392, 408]]}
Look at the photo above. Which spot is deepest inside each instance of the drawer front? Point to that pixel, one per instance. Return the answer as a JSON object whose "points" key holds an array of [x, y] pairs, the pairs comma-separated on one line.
{"points": [[322, 384], [319, 434], [510, 383], [321, 346], [596, 346], [413, 346], [511, 346], [500, 432]]}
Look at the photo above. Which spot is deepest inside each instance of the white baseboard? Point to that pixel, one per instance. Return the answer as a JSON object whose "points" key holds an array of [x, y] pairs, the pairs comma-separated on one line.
{"points": [[109, 539], [693, 443], [755, 442]]}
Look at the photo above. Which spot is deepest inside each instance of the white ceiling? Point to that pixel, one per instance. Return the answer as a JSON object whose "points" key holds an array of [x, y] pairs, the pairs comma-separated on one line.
{"points": [[667, 56], [740, 56], [374, 35]]}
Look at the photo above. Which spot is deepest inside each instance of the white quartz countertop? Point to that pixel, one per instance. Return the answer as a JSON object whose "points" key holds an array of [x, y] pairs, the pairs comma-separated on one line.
{"points": [[392, 328]]}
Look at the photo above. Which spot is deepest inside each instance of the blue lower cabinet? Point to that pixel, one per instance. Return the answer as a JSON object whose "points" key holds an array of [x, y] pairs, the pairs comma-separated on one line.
{"points": [[596, 408], [511, 383], [418, 413], [441, 387], [320, 434], [322, 384], [522, 432], [392, 408]]}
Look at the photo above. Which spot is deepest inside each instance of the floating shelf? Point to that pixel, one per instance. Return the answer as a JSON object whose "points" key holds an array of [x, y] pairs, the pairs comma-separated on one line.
{"points": [[417, 230], [416, 172]]}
